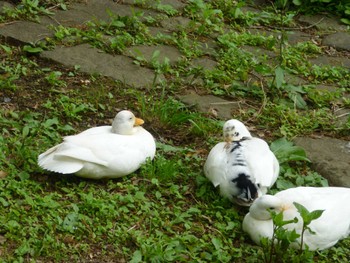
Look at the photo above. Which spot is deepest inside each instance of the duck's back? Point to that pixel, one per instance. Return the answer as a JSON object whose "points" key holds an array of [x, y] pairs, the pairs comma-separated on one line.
{"points": [[333, 224]]}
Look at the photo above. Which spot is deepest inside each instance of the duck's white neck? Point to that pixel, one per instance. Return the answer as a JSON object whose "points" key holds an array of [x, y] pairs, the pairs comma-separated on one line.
{"points": [[125, 130]]}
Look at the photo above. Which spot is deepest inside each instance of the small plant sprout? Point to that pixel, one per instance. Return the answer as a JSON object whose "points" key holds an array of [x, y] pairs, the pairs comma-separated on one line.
{"points": [[280, 248], [307, 217]]}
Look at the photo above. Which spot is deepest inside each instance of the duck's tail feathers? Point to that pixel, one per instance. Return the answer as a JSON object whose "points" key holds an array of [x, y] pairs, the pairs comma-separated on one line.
{"points": [[58, 164]]}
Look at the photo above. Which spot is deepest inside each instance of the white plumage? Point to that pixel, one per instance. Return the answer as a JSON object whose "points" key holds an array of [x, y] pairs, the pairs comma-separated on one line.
{"points": [[333, 225], [102, 152], [243, 167]]}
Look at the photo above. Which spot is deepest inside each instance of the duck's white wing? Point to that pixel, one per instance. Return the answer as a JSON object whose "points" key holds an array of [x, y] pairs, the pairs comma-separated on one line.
{"points": [[48, 161], [215, 167], [71, 155], [262, 163]]}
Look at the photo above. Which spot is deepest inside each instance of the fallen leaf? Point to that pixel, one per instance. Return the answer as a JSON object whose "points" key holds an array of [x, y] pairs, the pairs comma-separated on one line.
{"points": [[2, 174]]}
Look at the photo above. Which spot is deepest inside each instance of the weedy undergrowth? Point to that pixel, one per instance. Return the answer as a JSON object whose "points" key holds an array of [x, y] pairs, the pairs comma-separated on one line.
{"points": [[280, 248]]}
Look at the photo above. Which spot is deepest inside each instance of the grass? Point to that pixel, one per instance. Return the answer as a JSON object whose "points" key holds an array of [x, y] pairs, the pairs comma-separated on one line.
{"points": [[166, 211]]}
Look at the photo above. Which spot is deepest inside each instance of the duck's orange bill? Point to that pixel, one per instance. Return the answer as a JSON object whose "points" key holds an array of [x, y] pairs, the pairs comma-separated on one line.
{"points": [[139, 121]]}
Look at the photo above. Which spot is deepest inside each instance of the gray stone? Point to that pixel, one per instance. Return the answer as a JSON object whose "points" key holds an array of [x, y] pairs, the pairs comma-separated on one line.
{"points": [[210, 104], [5, 5], [326, 88], [69, 18], [293, 37], [158, 32], [341, 113], [324, 60], [92, 60], [208, 46], [176, 4], [250, 9], [342, 116], [260, 52], [330, 157], [204, 62], [339, 40], [294, 79], [147, 53], [22, 32], [322, 22], [105, 10], [175, 23]]}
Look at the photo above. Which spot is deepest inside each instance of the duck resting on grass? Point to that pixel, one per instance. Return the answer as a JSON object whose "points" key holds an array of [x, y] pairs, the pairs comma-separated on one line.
{"points": [[243, 166], [329, 228], [102, 152]]}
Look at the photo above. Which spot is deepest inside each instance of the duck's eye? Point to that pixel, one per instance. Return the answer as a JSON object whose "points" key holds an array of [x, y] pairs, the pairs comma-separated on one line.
{"points": [[271, 208], [130, 118]]}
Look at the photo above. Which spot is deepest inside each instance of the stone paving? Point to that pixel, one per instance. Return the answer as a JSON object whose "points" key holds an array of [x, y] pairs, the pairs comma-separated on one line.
{"points": [[122, 68]]}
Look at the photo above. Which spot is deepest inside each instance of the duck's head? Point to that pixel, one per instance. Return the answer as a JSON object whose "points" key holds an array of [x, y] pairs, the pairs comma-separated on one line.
{"points": [[262, 206], [124, 123], [234, 130]]}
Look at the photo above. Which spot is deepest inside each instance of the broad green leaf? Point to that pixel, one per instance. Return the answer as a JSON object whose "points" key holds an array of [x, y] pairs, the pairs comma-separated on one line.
{"points": [[292, 235], [136, 257], [25, 131], [346, 20], [7, 49], [32, 50], [283, 183], [316, 214], [307, 216], [216, 242], [286, 151], [49, 122], [297, 100], [301, 210], [279, 74]]}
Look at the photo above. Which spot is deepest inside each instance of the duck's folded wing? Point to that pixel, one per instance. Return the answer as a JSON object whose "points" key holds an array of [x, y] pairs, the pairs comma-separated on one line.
{"points": [[67, 158], [262, 162], [215, 166]]}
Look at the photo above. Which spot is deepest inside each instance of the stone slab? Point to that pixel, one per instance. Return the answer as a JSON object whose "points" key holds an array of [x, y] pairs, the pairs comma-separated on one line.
{"points": [[23, 32], [147, 52], [92, 61], [293, 37], [5, 5], [176, 4], [211, 104], [205, 63], [95, 10], [260, 52], [323, 23], [339, 40], [175, 23], [330, 157], [158, 31], [324, 60], [69, 18]]}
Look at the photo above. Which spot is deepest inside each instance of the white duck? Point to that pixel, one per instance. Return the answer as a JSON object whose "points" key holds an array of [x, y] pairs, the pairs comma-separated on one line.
{"points": [[243, 166], [329, 228], [102, 152]]}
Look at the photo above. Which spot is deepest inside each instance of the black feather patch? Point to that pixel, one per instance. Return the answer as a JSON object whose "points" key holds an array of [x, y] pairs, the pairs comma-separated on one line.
{"points": [[236, 145], [245, 184]]}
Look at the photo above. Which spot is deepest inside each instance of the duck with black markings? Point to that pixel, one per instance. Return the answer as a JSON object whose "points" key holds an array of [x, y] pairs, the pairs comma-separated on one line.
{"points": [[242, 166]]}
